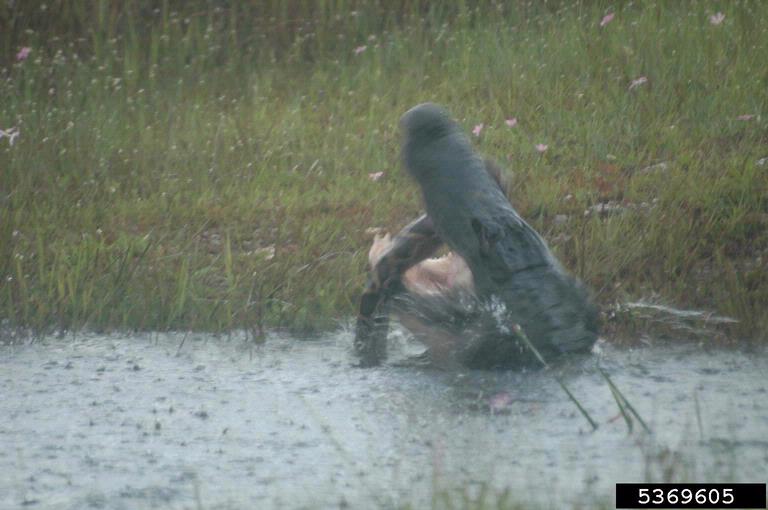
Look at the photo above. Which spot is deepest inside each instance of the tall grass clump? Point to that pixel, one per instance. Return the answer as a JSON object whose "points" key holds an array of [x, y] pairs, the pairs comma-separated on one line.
{"points": [[206, 164]]}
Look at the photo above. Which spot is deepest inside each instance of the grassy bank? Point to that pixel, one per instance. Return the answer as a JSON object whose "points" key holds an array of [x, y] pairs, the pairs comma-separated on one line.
{"points": [[208, 168]]}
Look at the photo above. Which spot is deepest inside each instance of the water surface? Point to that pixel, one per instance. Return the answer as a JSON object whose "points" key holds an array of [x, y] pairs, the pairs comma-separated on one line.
{"points": [[137, 422]]}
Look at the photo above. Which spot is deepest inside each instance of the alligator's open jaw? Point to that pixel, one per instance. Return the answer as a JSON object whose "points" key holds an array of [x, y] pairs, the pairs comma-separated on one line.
{"points": [[434, 286], [439, 275]]}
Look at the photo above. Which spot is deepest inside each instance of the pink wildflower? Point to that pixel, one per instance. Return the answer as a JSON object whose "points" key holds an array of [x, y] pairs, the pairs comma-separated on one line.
{"points": [[375, 176], [360, 49], [23, 53], [606, 19], [716, 19], [541, 147], [636, 83], [500, 402], [746, 116], [478, 129], [511, 122]]}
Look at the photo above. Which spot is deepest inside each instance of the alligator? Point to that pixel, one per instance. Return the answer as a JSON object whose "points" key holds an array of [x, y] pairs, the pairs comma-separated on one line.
{"points": [[499, 299]]}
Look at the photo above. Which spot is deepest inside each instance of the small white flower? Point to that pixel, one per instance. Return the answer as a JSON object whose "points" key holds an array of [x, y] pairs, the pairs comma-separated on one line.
{"points": [[11, 134], [636, 83]]}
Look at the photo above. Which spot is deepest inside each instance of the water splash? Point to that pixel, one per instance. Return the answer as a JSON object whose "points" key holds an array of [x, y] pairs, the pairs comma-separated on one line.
{"points": [[696, 322]]}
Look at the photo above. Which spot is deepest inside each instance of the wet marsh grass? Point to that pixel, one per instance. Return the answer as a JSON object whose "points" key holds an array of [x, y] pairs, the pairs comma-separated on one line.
{"points": [[207, 168], [661, 464]]}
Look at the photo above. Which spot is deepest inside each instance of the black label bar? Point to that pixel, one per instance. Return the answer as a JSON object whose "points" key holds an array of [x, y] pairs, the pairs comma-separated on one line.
{"points": [[690, 495]]}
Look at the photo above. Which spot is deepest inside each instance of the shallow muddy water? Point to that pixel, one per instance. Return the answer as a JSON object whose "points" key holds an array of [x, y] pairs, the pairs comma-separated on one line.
{"points": [[136, 422]]}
